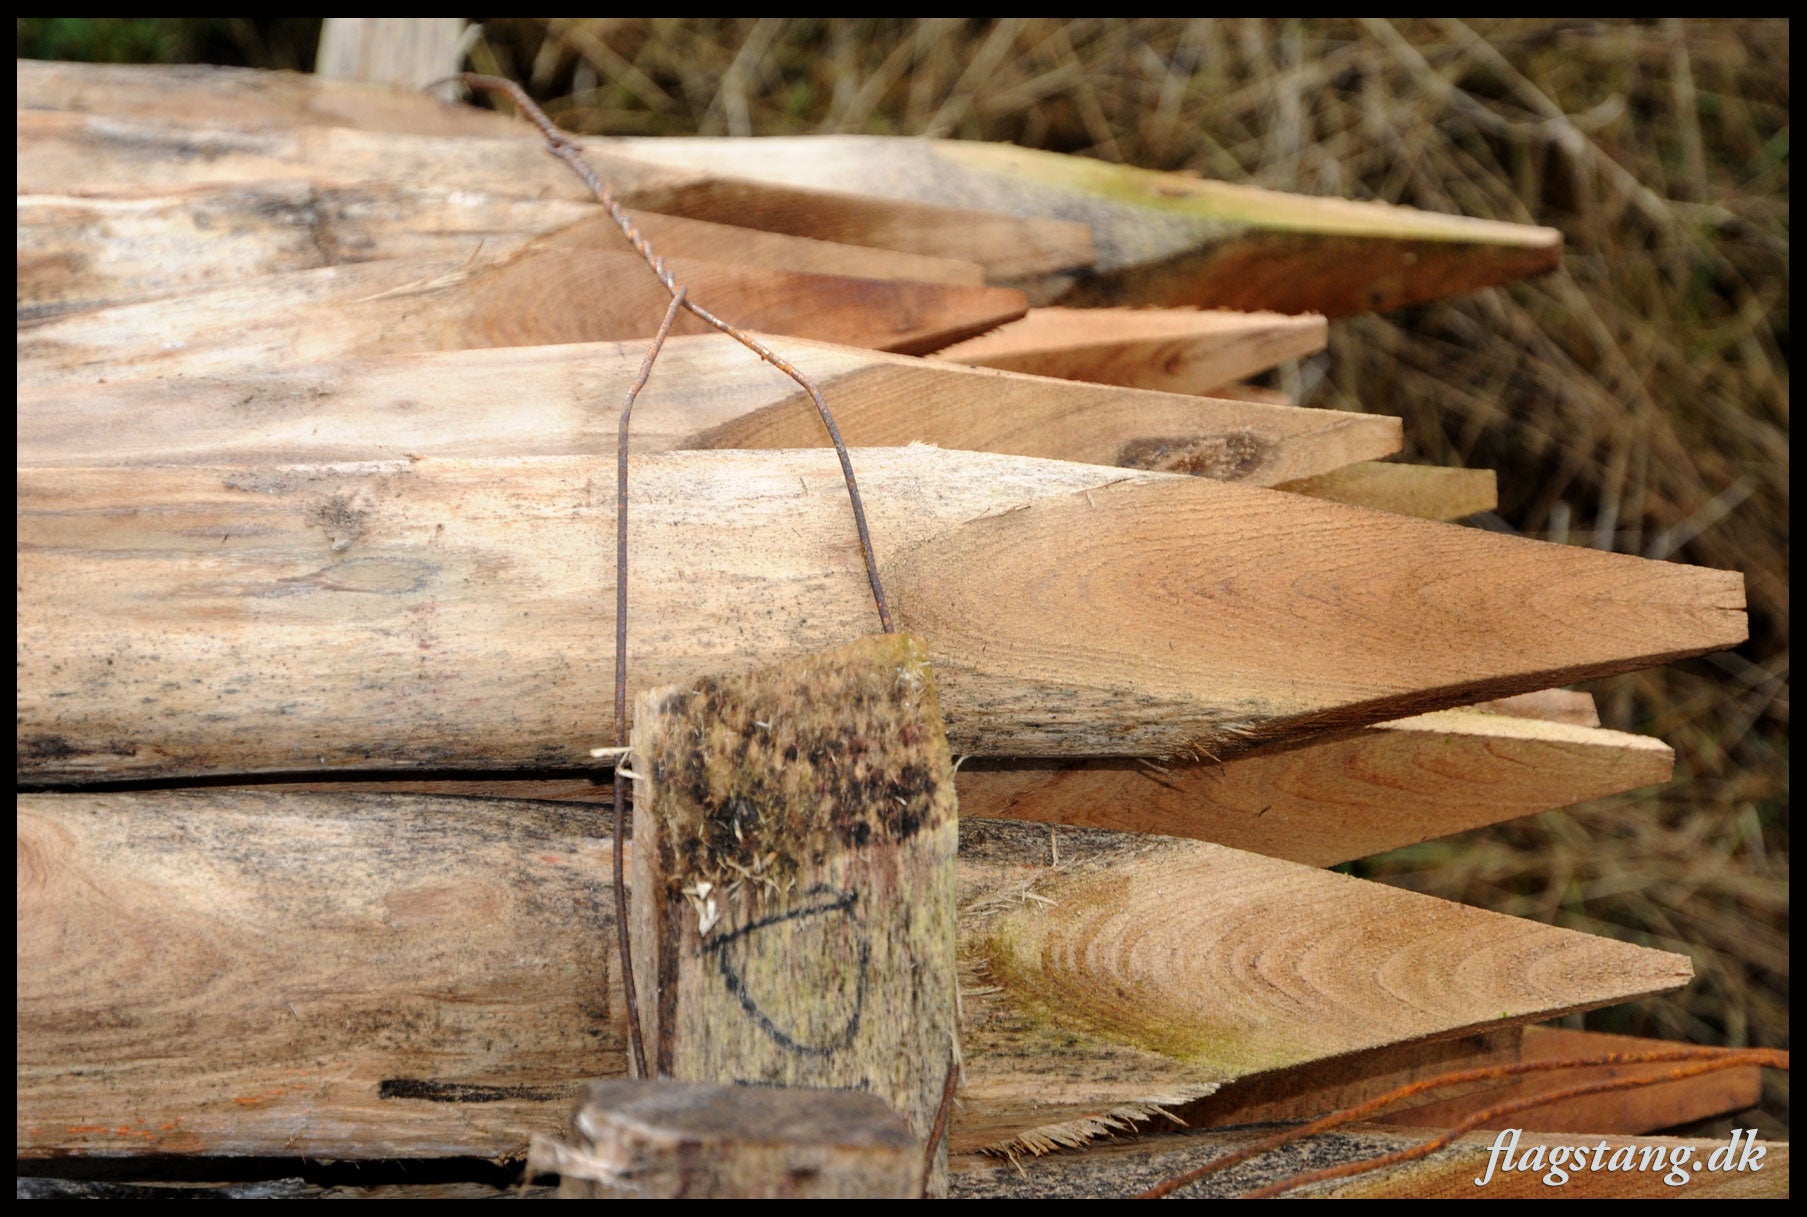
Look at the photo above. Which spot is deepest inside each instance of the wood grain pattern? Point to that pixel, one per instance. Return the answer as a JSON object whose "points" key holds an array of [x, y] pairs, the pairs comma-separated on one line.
{"points": [[1174, 350], [265, 974], [134, 153], [1428, 492], [1395, 784], [1156, 955], [534, 298], [793, 914], [447, 613], [1159, 238], [1121, 1170], [77, 253], [708, 393], [1648, 1109], [371, 977], [1391, 785]]}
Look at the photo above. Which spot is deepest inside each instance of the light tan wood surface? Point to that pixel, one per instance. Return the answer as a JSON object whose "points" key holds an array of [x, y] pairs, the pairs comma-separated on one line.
{"points": [[1175, 350], [706, 392], [362, 976], [451, 613], [1426, 491]]}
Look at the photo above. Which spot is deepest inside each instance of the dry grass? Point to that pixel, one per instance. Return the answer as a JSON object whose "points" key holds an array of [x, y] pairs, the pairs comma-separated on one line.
{"points": [[1636, 400]]}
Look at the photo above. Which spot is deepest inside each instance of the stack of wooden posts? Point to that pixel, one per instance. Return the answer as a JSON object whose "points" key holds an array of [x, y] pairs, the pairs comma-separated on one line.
{"points": [[318, 391]]}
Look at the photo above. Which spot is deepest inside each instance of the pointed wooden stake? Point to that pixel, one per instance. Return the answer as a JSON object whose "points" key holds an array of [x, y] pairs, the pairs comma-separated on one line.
{"points": [[793, 911], [1174, 350], [386, 977], [442, 614], [563, 400], [1160, 238]]}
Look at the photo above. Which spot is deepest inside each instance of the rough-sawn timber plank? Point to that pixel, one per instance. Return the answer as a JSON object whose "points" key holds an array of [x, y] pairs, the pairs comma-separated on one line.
{"points": [[210, 972], [419, 614]]}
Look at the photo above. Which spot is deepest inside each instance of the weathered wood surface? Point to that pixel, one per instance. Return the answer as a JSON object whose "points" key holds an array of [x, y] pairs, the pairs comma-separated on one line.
{"points": [[1121, 1170], [534, 298], [1647, 1109], [204, 95], [77, 253], [257, 974], [793, 914], [127, 153], [1428, 492], [449, 613], [377, 977], [659, 1140], [1159, 238], [1174, 350], [707, 392], [1390, 785]]}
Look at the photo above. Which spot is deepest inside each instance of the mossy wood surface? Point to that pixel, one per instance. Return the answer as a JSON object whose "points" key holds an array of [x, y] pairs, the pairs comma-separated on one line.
{"points": [[1159, 238], [794, 839]]}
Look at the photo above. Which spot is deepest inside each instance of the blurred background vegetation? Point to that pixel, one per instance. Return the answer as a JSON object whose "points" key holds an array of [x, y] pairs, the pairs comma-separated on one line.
{"points": [[1635, 400]]}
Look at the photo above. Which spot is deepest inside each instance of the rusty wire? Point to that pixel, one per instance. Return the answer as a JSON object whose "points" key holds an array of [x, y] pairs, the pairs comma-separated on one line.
{"points": [[938, 1130], [635, 1037], [569, 151], [1721, 1059]]}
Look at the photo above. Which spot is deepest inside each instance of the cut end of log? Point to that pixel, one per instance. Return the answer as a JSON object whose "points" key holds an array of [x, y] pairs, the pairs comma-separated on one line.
{"points": [[775, 769], [691, 1140]]}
